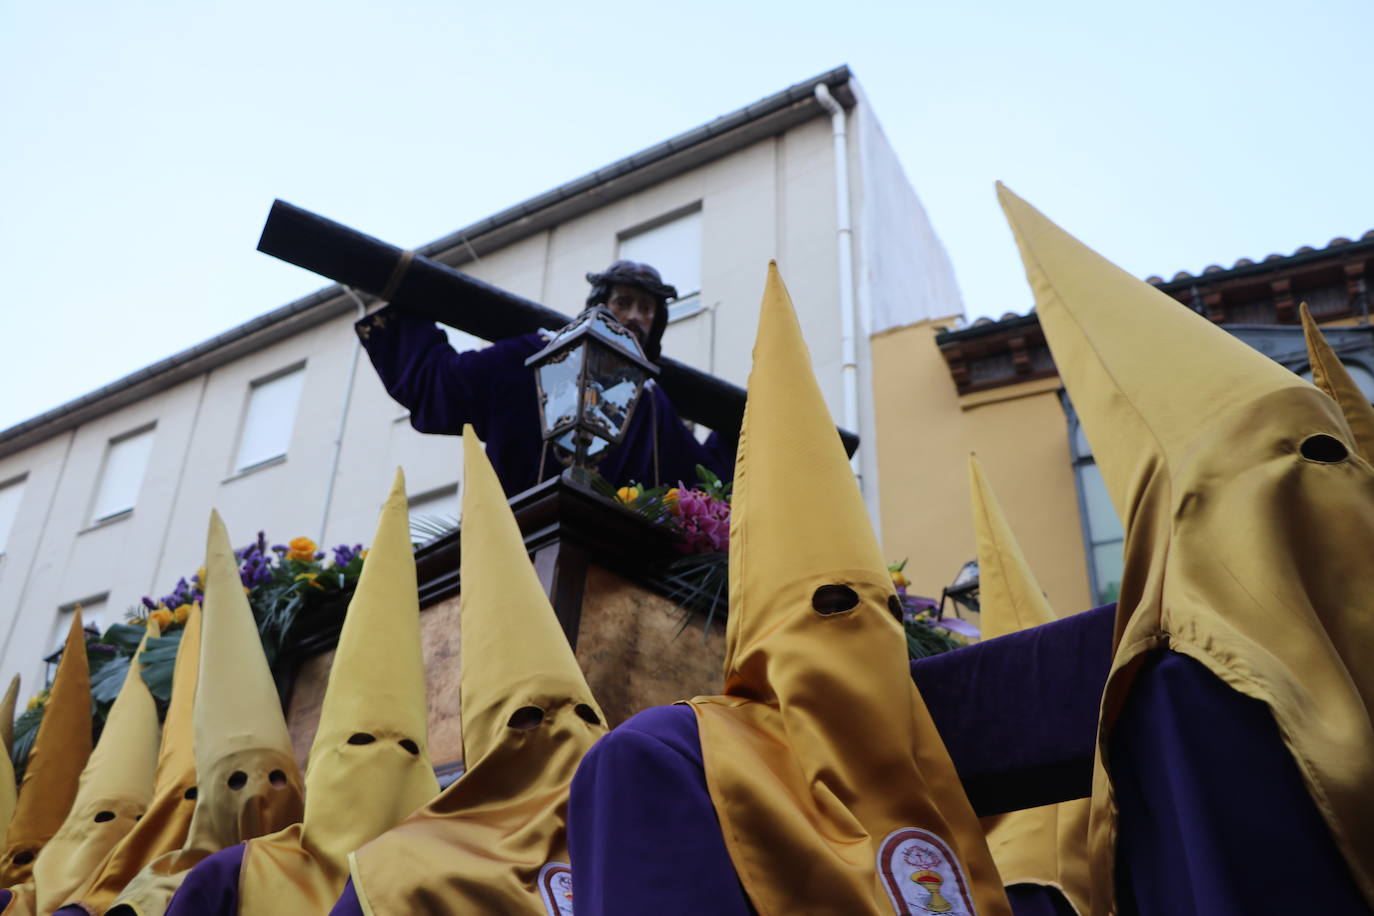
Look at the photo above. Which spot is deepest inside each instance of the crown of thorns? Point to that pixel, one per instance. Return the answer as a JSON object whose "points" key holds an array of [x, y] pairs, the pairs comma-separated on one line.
{"points": [[632, 273]]}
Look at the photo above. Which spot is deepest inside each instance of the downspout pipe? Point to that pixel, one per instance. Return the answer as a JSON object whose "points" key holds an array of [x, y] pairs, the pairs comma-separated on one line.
{"points": [[844, 240], [337, 452]]}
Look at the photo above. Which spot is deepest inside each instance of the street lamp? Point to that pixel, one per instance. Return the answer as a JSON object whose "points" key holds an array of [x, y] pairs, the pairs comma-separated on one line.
{"points": [[590, 377]]}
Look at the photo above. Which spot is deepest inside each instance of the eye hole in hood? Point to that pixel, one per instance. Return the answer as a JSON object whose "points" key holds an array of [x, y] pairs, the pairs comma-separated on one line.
{"points": [[526, 718], [587, 714], [361, 738], [1324, 448], [894, 607], [834, 599], [410, 746]]}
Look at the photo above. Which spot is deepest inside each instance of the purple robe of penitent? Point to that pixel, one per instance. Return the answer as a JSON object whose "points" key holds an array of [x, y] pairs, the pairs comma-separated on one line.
{"points": [[495, 391], [1212, 805]]}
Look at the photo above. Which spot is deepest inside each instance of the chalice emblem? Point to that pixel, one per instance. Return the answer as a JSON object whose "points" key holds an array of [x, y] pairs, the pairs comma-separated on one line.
{"points": [[927, 879]]}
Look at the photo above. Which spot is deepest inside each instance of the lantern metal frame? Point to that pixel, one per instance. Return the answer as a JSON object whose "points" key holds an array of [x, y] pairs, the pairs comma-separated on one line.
{"points": [[599, 334]]}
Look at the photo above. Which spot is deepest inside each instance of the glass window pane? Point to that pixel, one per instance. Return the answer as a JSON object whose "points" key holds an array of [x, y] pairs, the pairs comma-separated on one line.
{"points": [[1363, 378], [10, 495], [125, 462], [1103, 524], [441, 503], [674, 248], [95, 611], [269, 418], [1107, 564], [1081, 448]]}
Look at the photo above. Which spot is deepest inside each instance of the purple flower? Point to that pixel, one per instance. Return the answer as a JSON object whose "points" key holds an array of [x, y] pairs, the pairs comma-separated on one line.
{"points": [[149, 603]]}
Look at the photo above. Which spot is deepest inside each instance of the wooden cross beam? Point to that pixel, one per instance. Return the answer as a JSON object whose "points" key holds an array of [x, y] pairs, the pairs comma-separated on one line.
{"points": [[451, 297]]}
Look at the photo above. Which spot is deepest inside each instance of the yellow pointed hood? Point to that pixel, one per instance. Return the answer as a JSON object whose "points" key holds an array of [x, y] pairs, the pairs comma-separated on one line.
{"points": [[9, 794], [59, 754], [494, 837], [113, 793], [1008, 595], [7, 705], [247, 781], [1246, 511], [373, 731], [821, 755], [1046, 845], [162, 829], [246, 774], [1330, 375]]}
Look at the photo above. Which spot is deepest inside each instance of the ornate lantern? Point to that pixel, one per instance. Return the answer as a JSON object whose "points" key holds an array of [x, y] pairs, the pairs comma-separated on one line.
{"points": [[590, 377]]}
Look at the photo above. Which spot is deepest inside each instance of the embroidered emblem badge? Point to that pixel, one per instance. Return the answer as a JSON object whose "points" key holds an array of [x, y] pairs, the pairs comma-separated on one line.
{"points": [[555, 889], [921, 875]]}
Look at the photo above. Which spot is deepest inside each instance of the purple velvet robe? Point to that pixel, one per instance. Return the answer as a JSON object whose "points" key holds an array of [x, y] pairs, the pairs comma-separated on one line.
{"points": [[1215, 819], [1212, 804], [643, 835], [212, 887], [495, 391]]}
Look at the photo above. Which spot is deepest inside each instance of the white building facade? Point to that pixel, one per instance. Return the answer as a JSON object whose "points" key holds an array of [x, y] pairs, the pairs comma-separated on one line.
{"points": [[283, 426]]}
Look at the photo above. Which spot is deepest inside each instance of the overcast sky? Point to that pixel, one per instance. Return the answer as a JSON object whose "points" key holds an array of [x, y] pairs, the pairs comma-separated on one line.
{"points": [[143, 142]]}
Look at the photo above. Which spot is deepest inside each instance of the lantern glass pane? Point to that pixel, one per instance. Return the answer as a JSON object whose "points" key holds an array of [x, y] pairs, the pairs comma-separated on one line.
{"points": [[612, 384], [558, 378]]}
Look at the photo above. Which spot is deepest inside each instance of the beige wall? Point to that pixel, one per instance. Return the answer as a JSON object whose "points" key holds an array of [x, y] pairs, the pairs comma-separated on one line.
{"points": [[925, 433], [773, 199]]}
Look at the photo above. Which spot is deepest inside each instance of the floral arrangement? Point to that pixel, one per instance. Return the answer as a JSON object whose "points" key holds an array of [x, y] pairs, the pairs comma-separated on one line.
{"points": [[280, 581], [700, 518], [926, 632]]}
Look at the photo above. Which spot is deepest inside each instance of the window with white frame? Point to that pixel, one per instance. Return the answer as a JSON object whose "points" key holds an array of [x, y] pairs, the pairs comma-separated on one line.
{"points": [[434, 511], [11, 492], [673, 246], [95, 614], [268, 418], [121, 476], [1102, 530]]}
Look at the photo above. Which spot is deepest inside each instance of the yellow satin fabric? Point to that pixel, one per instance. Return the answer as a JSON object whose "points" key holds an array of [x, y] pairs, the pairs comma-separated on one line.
{"points": [[1330, 375], [355, 792], [59, 754], [1046, 845], [1242, 551], [7, 704], [247, 781], [114, 791], [162, 829], [821, 748], [480, 846]]}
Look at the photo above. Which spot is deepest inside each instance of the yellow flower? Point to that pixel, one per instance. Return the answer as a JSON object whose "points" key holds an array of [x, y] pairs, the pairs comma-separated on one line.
{"points": [[200, 575], [900, 580], [302, 549], [310, 580], [363, 555], [179, 615], [162, 617], [38, 699], [627, 495], [670, 498]]}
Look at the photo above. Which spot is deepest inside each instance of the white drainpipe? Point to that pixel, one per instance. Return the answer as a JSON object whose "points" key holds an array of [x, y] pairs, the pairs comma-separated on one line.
{"points": [[337, 451], [849, 358]]}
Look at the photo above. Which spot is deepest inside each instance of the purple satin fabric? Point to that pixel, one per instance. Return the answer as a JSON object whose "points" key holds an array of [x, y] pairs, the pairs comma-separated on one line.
{"points": [[643, 835], [348, 904], [1018, 714], [5, 897], [212, 887], [1215, 819], [1038, 900], [493, 390]]}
